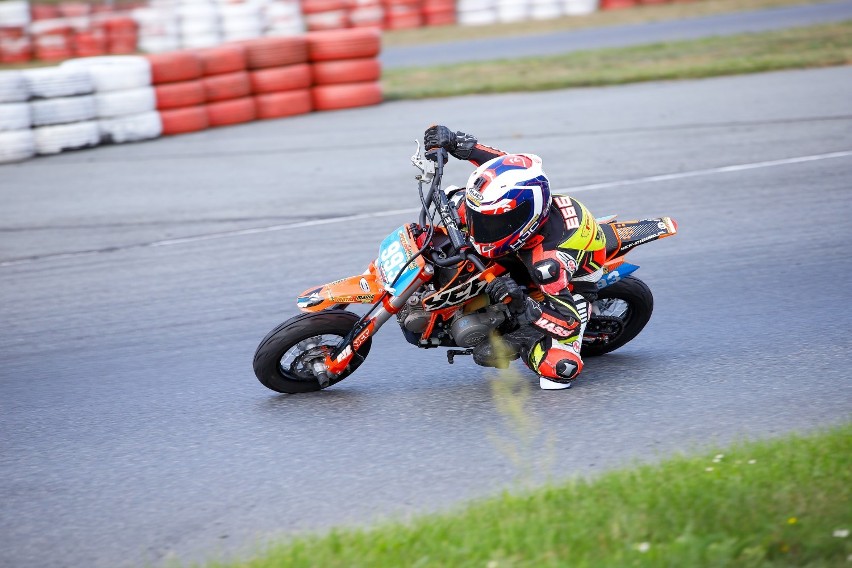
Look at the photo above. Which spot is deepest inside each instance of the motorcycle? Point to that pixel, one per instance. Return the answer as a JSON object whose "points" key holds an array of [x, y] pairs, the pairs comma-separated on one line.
{"points": [[428, 276]]}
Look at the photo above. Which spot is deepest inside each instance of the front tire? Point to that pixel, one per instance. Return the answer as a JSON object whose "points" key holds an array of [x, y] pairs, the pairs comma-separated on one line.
{"points": [[283, 359], [619, 314]]}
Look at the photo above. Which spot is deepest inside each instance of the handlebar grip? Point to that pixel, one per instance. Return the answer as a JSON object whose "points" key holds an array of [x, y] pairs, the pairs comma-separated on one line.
{"points": [[488, 278]]}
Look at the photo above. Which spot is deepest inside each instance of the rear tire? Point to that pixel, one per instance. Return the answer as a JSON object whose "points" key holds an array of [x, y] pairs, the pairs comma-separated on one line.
{"points": [[282, 341], [632, 312]]}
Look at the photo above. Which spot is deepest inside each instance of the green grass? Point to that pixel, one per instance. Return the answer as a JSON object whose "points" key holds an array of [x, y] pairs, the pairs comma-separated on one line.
{"points": [[776, 503], [815, 46]]}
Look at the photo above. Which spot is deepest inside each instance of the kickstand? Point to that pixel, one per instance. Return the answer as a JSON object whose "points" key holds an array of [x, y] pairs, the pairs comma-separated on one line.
{"points": [[453, 352]]}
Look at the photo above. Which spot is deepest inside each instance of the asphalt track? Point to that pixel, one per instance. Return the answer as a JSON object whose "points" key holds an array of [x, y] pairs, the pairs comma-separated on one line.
{"points": [[137, 280], [557, 43]]}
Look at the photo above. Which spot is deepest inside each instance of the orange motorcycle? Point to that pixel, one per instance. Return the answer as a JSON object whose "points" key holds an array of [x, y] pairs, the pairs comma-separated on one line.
{"points": [[428, 277]]}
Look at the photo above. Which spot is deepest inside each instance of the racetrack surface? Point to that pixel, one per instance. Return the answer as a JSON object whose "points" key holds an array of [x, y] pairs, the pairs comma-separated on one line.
{"points": [[134, 431], [558, 43]]}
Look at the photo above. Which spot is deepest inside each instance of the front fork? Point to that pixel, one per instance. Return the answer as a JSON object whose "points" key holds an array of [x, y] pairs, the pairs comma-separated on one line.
{"points": [[389, 305]]}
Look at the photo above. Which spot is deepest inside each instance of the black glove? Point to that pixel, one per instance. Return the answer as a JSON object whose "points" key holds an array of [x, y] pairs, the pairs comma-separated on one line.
{"points": [[458, 144], [524, 308]]}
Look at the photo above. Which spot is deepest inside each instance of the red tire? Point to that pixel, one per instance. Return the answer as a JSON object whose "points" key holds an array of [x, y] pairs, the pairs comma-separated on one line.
{"points": [[276, 51], [177, 95], [346, 71], [285, 78], [235, 111], [227, 86], [317, 6], [285, 103], [227, 58], [354, 43], [182, 120], [445, 18], [349, 95], [174, 67]]}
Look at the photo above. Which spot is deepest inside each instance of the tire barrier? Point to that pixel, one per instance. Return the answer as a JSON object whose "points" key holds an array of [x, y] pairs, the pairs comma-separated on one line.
{"points": [[16, 145], [63, 137], [113, 99], [184, 120], [275, 79], [234, 111], [283, 103]]}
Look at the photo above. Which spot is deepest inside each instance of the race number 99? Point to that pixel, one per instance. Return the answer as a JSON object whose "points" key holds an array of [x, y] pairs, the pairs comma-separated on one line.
{"points": [[392, 260]]}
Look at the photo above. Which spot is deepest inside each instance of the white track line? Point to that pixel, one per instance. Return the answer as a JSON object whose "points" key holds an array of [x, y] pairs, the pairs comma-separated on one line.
{"points": [[393, 212]]}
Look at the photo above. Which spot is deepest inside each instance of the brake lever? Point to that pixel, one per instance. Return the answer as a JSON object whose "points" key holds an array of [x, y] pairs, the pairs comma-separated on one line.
{"points": [[426, 166]]}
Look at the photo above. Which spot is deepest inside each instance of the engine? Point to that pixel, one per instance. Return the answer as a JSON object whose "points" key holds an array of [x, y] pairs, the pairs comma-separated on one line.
{"points": [[464, 330]]}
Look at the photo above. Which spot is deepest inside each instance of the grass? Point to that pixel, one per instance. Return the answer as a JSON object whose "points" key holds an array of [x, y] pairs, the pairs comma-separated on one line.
{"points": [[772, 503], [636, 15], [814, 46]]}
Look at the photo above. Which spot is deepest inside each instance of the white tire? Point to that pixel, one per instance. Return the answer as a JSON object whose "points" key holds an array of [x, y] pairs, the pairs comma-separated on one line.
{"points": [[477, 18], [55, 139], [159, 44], [474, 5], [579, 7], [15, 116], [16, 145], [205, 40], [63, 110], [52, 82], [13, 87], [114, 72], [132, 128], [14, 14], [545, 11], [123, 103]]}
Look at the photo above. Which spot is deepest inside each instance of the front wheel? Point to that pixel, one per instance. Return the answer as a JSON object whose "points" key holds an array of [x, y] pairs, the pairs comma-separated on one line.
{"points": [[618, 315], [290, 356]]}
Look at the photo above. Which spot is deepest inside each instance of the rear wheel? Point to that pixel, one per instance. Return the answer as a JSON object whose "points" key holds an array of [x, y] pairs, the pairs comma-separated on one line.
{"points": [[290, 358], [618, 315]]}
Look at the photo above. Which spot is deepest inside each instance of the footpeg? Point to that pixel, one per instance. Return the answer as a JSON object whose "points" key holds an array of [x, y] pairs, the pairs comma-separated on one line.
{"points": [[453, 352]]}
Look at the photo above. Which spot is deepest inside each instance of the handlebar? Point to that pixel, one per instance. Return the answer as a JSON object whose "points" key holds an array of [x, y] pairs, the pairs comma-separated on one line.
{"points": [[449, 216]]}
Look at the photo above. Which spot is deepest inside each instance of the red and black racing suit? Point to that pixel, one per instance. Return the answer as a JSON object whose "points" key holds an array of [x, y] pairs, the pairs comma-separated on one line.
{"points": [[563, 261]]}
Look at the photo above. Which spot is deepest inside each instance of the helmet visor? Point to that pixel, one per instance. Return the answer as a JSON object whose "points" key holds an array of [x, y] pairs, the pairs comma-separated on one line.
{"points": [[485, 228]]}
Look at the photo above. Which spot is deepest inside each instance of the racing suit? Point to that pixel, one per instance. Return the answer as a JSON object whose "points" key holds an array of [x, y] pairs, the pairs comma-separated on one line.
{"points": [[559, 265]]}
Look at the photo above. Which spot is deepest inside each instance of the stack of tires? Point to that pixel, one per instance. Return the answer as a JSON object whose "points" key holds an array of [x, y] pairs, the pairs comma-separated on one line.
{"points": [[16, 137], [158, 29], [198, 23], [283, 18], [179, 91], [545, 9], [403, 14], [367, 14], [579, 7], [280, 76], [240, 21], [124, 99], [345, 68], [439, 12], [476, 12], [52, 39], [325, 14], [227, 88], [513, 10], [15, 45], [63, 109]]}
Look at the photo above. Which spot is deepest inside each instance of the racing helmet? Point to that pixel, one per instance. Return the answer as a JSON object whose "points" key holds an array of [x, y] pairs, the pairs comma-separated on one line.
{"points": [[506, 200]]}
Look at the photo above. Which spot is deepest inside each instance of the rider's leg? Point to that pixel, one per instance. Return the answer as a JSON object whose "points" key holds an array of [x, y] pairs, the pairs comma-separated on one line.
{"points": [[559, 362]]}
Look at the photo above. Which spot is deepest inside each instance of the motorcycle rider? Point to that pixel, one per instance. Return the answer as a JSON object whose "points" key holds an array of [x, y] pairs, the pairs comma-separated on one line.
{"points": [[544, 241]]}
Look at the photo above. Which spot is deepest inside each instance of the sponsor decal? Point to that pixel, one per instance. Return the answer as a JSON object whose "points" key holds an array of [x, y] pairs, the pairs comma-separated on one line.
{"points": [[346, 353], [550, 326], [360, 339], [474, 197], [364, 285], [455, 295], [569, 214]]}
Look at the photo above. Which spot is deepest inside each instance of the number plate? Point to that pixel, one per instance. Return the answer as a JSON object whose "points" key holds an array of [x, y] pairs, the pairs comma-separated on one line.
{"points": [[395, 253]]}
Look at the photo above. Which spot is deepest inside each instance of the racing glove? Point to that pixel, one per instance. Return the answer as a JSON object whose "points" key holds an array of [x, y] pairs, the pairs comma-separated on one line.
{"points": [[524, 308], [458, 144]]}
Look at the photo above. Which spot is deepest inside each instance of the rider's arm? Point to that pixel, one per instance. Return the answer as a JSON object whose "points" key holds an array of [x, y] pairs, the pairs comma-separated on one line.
{"points": [[460, 145]]}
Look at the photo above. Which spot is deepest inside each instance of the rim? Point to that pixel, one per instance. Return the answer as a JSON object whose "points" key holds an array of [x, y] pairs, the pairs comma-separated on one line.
{"points": [[612, 307], [303, 360]]}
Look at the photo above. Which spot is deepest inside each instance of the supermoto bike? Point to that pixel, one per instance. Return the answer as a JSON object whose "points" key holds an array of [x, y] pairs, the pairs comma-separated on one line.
{"points": [[428, 276]]}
